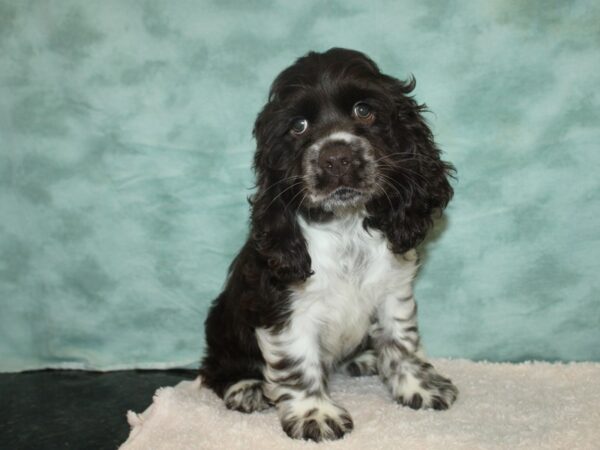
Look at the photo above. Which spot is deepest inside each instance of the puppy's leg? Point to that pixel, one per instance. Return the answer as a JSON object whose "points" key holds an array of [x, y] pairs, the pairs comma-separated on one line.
{"points": [[361, 365], [400, 360], [246, 396], [296, 381]]}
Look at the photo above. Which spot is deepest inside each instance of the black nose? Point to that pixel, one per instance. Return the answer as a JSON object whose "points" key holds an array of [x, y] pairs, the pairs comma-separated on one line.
{"points": [[336, 160]]}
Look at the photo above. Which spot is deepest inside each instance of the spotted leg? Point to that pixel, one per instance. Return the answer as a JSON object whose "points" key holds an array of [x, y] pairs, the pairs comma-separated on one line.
{"points": [[246, 396], [361, 364], [296, 382], [401, 364]]}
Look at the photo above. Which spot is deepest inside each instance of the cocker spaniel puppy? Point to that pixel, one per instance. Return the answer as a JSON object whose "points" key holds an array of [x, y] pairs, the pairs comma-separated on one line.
{"points": [[348, 178]]}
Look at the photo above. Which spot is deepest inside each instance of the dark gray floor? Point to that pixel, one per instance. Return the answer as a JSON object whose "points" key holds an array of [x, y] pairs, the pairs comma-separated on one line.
{"points": [[59, 409]]}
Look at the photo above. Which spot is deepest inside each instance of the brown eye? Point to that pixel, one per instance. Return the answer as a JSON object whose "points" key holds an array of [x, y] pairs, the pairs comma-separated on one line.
{"points": [[363, 112], [299, 126]]}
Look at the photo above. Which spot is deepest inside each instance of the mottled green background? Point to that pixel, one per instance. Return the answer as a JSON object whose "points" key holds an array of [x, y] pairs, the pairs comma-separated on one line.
{"points": [[125, 140]]}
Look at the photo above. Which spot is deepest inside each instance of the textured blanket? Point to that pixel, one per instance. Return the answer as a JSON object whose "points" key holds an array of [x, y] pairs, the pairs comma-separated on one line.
{"points": [[528, 406]]}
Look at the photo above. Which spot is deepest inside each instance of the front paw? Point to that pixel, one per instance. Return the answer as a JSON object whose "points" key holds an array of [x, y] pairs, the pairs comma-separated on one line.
{"points": [[418, 385], [314, 419]]}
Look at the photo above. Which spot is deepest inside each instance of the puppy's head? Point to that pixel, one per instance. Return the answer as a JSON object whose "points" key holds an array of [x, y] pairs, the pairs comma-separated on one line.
{"points": [[321, 129], [337, 134]]}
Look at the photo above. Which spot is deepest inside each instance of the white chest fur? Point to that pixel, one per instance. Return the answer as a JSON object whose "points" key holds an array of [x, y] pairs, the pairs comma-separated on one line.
{"points": [[354, 272]]}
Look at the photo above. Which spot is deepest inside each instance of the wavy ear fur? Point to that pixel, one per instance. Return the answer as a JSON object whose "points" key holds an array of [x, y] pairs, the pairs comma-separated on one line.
{"points": [[419, 177], [276, 234], [278, 239]]}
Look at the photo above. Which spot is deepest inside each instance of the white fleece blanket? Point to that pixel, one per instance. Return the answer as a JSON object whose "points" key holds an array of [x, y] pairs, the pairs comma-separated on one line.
{"points": [[501, 406]]}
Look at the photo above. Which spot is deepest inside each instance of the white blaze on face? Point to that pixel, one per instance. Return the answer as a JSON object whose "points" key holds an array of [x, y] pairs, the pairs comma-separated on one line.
{"points": [[312, 169]]}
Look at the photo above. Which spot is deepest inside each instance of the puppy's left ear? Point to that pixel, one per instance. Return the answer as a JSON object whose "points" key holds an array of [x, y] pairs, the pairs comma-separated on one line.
{"points": [[419, 177], [276, 234], [277, 237]]}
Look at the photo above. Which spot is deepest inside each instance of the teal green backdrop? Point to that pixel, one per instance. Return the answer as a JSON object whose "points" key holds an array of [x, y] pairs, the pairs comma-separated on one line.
{"points": [[125, 151]]}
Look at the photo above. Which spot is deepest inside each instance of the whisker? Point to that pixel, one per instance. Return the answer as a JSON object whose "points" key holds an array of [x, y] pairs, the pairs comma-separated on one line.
{"points": [[301, 201], [283, 192], [407, 189], [406, 170], [390, 182], [385, 193], [408, 157], [290, 178], [292, 199]]}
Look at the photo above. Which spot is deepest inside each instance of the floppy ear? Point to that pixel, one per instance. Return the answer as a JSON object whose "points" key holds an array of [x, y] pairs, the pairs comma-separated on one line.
{"points": [[276, 234], [417, 178]]}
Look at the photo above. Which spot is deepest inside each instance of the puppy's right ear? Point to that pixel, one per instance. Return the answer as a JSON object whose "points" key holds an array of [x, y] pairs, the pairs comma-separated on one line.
{"points": [[276, 235]]}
